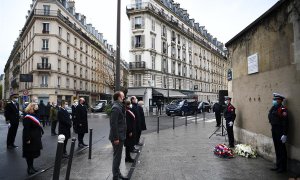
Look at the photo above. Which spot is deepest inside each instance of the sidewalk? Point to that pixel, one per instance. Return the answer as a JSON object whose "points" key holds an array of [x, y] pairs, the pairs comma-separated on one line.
{"points": [[186, 153]]}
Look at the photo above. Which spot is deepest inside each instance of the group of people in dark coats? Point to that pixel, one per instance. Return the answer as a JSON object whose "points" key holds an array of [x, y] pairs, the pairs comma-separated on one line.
{"points": [[127, 121]]}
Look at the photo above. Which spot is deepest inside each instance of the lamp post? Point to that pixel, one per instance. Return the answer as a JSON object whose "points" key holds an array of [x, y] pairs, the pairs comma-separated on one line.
{"points": [[117, 80]]}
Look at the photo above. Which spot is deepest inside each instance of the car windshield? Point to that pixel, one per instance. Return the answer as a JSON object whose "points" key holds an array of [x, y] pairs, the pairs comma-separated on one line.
{"points": [[99, 104], [177, 102]]}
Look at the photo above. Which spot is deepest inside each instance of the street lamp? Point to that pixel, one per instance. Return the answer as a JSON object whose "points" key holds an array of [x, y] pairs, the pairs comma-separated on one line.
{"points": [[117, 80]]}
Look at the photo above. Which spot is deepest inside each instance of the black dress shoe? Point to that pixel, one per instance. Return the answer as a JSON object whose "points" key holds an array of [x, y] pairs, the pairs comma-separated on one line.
{"points": [[129, 160], [30, 171], [140, 144], [281, 171], [135, 151], [35, 169], [65, 155], [274, 169], [84, 144], [80, 145], [10, 147], [15, 146]]}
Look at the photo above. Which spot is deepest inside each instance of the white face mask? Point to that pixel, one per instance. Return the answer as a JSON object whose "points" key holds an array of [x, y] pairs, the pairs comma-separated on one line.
{"points": [[130, 105], [226, 102], [76, 103], [36, 107], [16, 100], [54, 105], [66, 106]]}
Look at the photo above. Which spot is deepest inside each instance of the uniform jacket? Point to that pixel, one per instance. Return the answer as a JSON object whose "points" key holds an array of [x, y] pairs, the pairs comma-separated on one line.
{"points": [[53, 113], [32, 131], [117, 123], [217, 108], [81, 119], [11, 113], [64, 123], [229, 113], [278, 116]]}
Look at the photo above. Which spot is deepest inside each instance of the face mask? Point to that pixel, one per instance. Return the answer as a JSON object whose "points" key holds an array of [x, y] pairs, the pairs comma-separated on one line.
{"points": [[16, 100], [76, 103], [36, 107], [130, 105], [274, 103], [54, 105], [66, 106], [226, 102]]}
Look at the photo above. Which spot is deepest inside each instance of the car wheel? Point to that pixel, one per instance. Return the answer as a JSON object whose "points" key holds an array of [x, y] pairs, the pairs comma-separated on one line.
{"points": [[182, 113]]}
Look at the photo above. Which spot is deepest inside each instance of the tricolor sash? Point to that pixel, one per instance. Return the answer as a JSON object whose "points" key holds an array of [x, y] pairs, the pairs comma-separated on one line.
{"points": [[34, 119]]}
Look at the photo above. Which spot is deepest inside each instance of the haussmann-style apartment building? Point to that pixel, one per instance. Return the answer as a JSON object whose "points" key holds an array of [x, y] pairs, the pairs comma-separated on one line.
{"points": [[171, 55], [66, 57]]}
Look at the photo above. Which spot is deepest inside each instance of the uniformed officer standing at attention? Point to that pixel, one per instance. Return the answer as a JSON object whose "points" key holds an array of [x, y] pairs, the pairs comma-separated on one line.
{"points": [[12, 117], [229, 115], [278, 118]]}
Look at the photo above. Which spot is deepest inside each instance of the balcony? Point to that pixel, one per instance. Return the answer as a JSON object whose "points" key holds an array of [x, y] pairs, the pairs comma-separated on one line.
{"points": [[137, 65], [43, 66], [45, 31], [45, 49], [44, 85]]}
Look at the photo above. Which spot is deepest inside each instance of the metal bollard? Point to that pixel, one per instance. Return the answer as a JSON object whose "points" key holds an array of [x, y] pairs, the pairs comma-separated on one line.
{"points": [[90, 144], [58, 156], [185, 120], [70, 158], [157, 124], [204, 115], [173, 122], [196, 118]]}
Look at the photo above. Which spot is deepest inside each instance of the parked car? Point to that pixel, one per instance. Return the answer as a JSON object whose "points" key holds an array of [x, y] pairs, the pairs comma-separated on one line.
{"points": [[99, 106], [203, 106], [181, 107]]}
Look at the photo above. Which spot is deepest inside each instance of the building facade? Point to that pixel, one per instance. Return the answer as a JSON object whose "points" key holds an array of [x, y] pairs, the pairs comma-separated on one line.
{"points": [[66, 57], [171, 55], [265, 59]]}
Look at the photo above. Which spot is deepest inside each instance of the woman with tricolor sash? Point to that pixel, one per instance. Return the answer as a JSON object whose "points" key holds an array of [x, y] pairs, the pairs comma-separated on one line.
{"points": [[32, 137]]}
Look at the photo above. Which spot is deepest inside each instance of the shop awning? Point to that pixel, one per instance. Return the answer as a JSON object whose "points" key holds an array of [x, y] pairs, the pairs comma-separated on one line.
{"points": [[136, 92], [164, 93]]}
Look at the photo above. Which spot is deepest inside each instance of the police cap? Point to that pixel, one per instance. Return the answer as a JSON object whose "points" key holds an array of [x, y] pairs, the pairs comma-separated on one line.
{"points": [[227, 98], [278, 96]]}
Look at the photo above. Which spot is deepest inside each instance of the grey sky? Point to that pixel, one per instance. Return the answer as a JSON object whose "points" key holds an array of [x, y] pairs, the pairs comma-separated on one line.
{"points": [[222, 18]]}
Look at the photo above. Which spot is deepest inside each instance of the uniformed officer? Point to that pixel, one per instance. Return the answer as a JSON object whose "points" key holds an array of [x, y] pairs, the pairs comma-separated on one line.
{"points": [[278, 118], [12, 117], [229, 115]]}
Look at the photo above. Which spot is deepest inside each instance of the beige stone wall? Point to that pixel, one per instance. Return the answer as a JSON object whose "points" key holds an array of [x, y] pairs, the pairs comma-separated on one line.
{"points": [[252, 94]]}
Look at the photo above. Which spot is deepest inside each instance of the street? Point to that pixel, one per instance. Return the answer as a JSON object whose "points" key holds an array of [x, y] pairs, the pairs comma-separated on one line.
{"points": [[13, 166]]}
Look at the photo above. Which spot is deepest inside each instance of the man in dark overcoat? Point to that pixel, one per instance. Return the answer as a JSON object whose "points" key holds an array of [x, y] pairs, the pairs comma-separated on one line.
{"points": [[12, 117], [64, 126], [81, 122]]}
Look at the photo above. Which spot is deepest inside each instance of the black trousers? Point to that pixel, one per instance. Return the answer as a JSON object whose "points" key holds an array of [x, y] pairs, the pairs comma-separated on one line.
{"points": [[80, 138], [159, 110], [65, 145], [53, 127], [138, 136], [117, 159], [230, 134], [218, 118], [11, 135], [29, 162], [280, 149]]}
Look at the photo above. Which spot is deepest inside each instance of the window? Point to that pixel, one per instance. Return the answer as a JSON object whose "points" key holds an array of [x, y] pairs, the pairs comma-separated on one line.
{"points": [[75, 55], [58, 65], [173, 52], [68, 37], [164, 31], [59, 31], [75, 69], [137, 80], [86, 48], [68, 68], [173, 67], [178, 38], [46, 9], [138, 4], [164, 82], [179, 82], [138, 41], [179, 69], [80, 45], [178, 53], [45, 44], [164, 47], [75, 84], [58, 81], [59, 47], [80, 85], [153, 24], [138, 22], [46, 28], [153, 62], [80, 58], [164, 65], [75, 41], [153, 42], [68, 51], [68, 83], [153, 80], [173, 36], [44, 81]]}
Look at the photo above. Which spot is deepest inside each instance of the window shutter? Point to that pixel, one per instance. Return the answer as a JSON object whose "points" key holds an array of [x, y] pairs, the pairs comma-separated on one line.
{"points": [[143, 22], [132, 42], [132, 23], [143, 41]]}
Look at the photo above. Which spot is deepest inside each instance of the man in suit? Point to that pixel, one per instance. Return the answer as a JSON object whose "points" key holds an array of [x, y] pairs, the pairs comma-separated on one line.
{"points": [[12, 117], [217, 110], [64, 126], [74, 105], [117, 134], [81, 122]]}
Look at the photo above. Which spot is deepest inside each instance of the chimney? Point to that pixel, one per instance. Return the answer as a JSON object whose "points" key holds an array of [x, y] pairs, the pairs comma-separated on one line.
{"points": [[78, 16], [71, 8], [89, 27], [83, 20]]}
